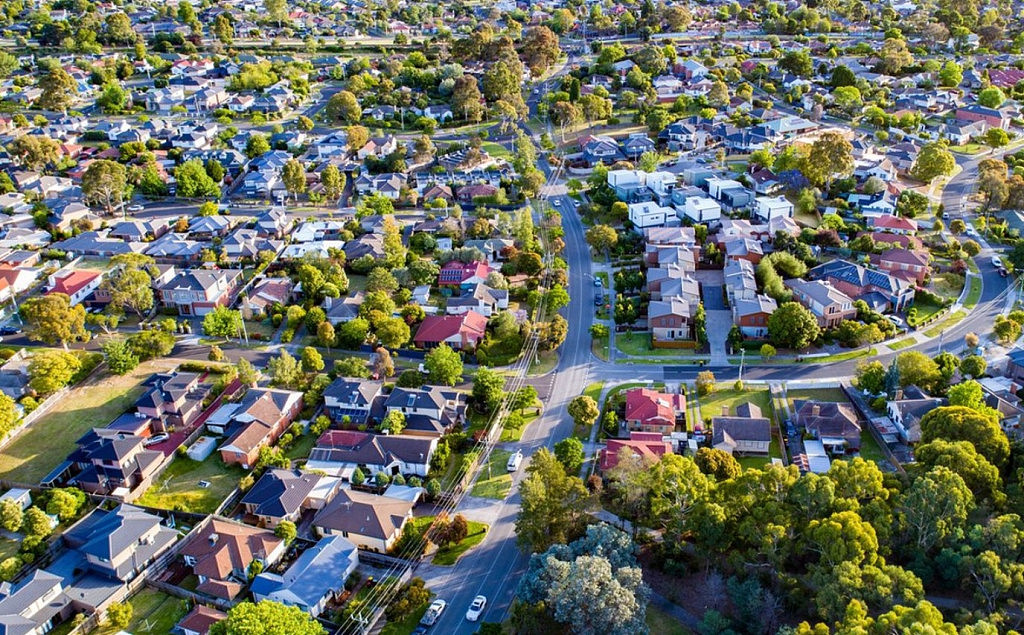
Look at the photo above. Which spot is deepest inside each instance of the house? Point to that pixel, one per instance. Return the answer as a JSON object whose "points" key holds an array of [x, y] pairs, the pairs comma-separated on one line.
{"points": [[430, 410], [995, 118], [648, 410], [109, 462], [912, 265], [265, 294], [35, 605], [219, 552], [769, 207], [247, 243], [262, 417], [752, 314], [196, 292], [834, 424], [351, 398], [371, 522], [340, 452], [316, 577], [77, 284], [894, 224], [636, 144], [274, 223], [120, 543], [600, 149], [200, 620], [461, 332], [701, 209], [906, 409], [828, 304], [882, 291], [649, 446], [21, 496], [1015, 365], [284, 494], [463, 274], [480, 298], [649, 214], [670, 320], [173, 399], [746, 433]]}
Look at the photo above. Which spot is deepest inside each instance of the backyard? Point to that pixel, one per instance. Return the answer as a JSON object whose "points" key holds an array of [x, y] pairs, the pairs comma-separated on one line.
{"points": [[178, 487], [42, 447], [152, 612], [818, 394], [494, 481]]}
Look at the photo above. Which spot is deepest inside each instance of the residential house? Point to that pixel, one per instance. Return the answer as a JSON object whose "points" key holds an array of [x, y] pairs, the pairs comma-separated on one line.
{"points": [[200, 620], [352, 398], [894, 224], [119, 543], [670, 320], [600, 149], [430, 410], [649, 446], [745, 433], [650, 214], [906, 409], [77, 284], [701, 209], [370, 522], [196, 292], [910, 265], [274, 223], [463, 274], [35, 605], [752, 314], [649, 410], [285, 494], [246, 243], [461, 332], [173, 399], [265, 294], [882, 291], [480, 298], [316, 577], [834, 424], [262, 416], [769, 207], [109, 462], [219, 551], [996, 118], [340, 452], [829, 305]]}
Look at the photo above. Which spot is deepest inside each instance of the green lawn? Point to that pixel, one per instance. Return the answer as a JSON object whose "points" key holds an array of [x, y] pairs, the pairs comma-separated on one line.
{"points": [[841, 357], [945, 324], [302, 447], [8, 548], [509, 433], [547, 363], [974, 294], [869, 449], [356, 282], [178, 487], [496, 150], [639, 344], [599, 347], [902, 343], [42, 447], [925, 310], [663, 624], [409, 624], [497, 482], [455, 468], [450, 555], [948, 285], [818, 394], [153, 612], [712, 405]]}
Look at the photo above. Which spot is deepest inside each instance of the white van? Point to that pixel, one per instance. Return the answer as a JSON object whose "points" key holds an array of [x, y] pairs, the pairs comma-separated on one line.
{"points": [[515, 460]]}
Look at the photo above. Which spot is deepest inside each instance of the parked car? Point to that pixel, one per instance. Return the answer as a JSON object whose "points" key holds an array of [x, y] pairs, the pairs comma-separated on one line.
{"points": [[1003, 272], [10, 329], [897, 321], [135, 208], [514, 461], [434, 612], [997, 261], [476, 608], [156, 438], [597, 282]]}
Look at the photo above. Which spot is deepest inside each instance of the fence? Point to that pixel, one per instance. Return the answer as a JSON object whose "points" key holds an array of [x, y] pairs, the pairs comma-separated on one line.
{"points": [[31, 417], [185, 594], [862, 410]]}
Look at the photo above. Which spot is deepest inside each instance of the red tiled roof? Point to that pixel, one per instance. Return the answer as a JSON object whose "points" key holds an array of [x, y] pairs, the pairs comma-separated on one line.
{"points": [[438, 328], [648, 445], [650, 406], [73, 282], [894, 222]]}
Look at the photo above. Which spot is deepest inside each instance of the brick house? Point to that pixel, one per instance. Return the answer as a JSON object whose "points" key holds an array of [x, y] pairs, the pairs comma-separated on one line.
{"points": [[262, 416], [652, 411], [198, 292]]}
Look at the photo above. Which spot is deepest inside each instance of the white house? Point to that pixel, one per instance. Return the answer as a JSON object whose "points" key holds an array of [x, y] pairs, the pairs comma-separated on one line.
{"points": [[701, 209], [769, 207], [716, 186], [649, 214]]}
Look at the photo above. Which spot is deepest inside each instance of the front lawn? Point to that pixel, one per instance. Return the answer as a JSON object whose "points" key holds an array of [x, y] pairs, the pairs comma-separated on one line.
{"points": [[639, 344], [712, 405], [946, 323], [974, 294], [902, 343], [818, 394], [152, 612], [546, 364], [449, 555], [494, 480], [49, 440], [496, 150], [178, 487], [841, 357]]}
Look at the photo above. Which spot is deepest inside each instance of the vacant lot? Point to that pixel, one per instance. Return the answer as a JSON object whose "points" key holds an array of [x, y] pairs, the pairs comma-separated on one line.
{"points": [[152, 612], [178, 487], [93, 405], [712, 405]]}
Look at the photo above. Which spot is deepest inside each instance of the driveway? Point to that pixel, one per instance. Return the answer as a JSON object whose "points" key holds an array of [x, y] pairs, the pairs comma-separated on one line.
{"points": [[718, 324]]}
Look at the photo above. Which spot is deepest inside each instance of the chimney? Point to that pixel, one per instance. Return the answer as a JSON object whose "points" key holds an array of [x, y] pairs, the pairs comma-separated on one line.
{"points": [[815, 410], [725, 411], [213, 539]]}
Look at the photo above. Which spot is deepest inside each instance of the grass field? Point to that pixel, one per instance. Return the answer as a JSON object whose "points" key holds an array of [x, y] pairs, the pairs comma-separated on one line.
{"points": [[712, 405], [496, 150], [450, 555], [496, 483], [509, 433], [639, 344], [869, 449], [945, 324], [925, 310], [178, 487], [547, 363], [42, 447], [302, 447], [599, 347], [818, 394], [902, 343], [973, 294], [663, 624], [152, 612]]}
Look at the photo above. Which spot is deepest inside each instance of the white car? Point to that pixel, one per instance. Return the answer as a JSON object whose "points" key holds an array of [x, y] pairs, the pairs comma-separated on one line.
{"points": [[996, 261], [434, 612], [476, 608], [557, 202], [156, 438], [136, 208], [514, 461]]}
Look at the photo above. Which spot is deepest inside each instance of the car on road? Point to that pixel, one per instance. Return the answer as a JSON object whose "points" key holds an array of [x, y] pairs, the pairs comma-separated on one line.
{"points": [[598, 282], [476, 608], [136, 208], [10, 329], [557, 202], [1003, 272], [997, 261], [514, 461], [434, 612], [156, 438]]}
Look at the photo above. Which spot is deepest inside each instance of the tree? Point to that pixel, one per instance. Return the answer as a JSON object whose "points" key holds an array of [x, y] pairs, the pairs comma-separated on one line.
{"points": [[33, 151], [718, 463], [951, 74], [488, 389], [848, 98], [996, 137], [11, 515], [312, 361], [10, 568], [36, 523], [114, 99], [960, 456], [193, 181], [256, 145], [104, 182], [554, 504], [223, 29], [394, 422], [792, 326], [286, 531], [358, 136], [444, 366], [246, 372], [333, 181], [718, 96], [540, 49], [1006, 330], [294, 177], [830, 156], [151, 344], [973, 365], [678, 18], [121, 359], [917, 369], [285, 371], [991, 97], [602, 238], [267, 618], [50, 371], [120, 614], [325, 334], [957, 423], [352, 334], [222, 322], [343, 106], [933, 160], [967, 394], [52, 319], [767, 352], [569, 452], [894, 56], [393, 332], [59, 90], [842, 76], [798, 63], [705, 383], [934, 507], [130, 286], [65, 503], [583, 410]]}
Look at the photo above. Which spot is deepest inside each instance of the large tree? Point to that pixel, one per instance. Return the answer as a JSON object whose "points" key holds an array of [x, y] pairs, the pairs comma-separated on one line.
{"points": [[59, 90], [933, 160], [222, 322], [343, 106], [267, 618], [50, 371], [554, 504], [53, 320], [34, 151], [979, 428], [104, 183], [793, 326], [193, 181], [294, 177], [466, 99], [444, 366], [830, 157]]}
